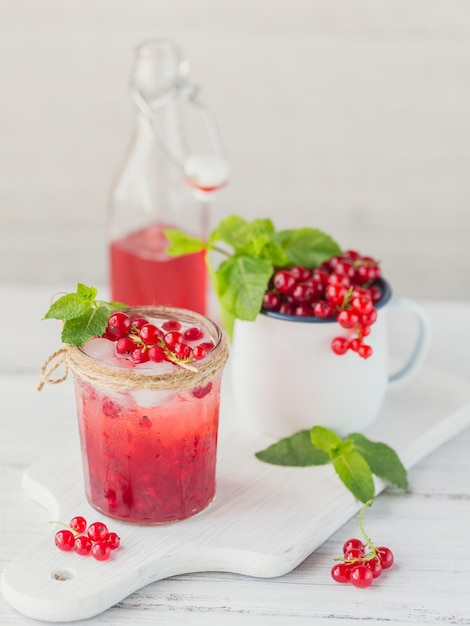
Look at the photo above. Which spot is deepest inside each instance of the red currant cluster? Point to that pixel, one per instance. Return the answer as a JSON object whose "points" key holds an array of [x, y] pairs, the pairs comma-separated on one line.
{"points": [[359, 567], [140, 341], [343, 288], [362, 561], [94, 539]]}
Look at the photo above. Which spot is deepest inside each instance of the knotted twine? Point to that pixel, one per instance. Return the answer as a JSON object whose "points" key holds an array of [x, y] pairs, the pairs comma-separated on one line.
{"points": [[181, 377]]}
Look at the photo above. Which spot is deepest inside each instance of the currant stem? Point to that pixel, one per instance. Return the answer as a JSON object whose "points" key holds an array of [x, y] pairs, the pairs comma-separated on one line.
{"points": [[367, 539], [65, 526]]}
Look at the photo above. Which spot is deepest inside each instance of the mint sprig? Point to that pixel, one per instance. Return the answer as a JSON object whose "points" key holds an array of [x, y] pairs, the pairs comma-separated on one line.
{"points": [[250, 253], [83, 315], [355, 458]]}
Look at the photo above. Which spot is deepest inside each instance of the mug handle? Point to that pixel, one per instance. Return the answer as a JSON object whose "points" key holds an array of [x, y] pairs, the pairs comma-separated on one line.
{"points": [[421, 346]]}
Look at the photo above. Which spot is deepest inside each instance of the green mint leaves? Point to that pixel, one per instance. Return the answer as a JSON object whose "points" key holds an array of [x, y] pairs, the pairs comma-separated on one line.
{"points": [[83, 315], [251, 251], [354, 458]]}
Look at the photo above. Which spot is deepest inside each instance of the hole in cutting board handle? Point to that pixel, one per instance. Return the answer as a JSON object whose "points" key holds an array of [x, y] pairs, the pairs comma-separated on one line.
{"points": [[63, 574]]}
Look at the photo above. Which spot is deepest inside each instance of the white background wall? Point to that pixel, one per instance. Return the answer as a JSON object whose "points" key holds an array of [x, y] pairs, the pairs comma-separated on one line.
{"points": [[352, 116]]}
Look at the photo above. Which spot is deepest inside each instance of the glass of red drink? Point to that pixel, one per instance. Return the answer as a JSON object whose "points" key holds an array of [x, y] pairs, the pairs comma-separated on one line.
{"points": [[148, 431]]}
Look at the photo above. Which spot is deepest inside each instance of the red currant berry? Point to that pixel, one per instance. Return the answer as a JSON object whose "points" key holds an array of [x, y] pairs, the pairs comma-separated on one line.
{"points": [[353, 544], [98, 531], [351, 254], [193, 334], [83, 545], [341, 572], [335, 294], [386, 557], [286, 308], [375, 293], [139, 355], [363, 330], [65, 540], [118, 325], [171, 325], [303, 292], [340, 345], [201, 392], [361, 576], [150, 334], [303, 310], [355, 344], [362, 304], [137, 322], [300, 273], [369, 318], [172, 338], [364, 351], [78, 524], [348, 318], [271, 301], [284, 282], [124, 346], [320, 276], [345, 267], [182, 351], [207, 345], [339, 279], [323, 309], [199, 353], [156, 354], [101, 550], [375, 566], [353, 554], [114, 541]]}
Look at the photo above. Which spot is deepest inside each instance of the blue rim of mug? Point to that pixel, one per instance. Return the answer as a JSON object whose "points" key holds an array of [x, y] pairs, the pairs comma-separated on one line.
{"points": [[380, 282]]}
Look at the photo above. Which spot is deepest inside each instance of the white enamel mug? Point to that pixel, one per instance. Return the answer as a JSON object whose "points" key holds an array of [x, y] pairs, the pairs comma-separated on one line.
{"points": [[285, 377]]}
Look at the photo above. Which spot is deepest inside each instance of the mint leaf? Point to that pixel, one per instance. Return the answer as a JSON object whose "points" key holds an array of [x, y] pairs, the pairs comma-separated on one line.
{"points": [[70, 306], [239, 234], [355, 473], [325, 439], [307, 246], [87, 293], [382, 460], [79, 330], [294, 451], [241, 283], [83, 315], [354, 458], [182, 243]]}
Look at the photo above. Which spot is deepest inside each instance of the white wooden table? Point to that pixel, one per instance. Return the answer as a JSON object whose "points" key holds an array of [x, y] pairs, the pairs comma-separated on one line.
{"points": [[428, 528]]}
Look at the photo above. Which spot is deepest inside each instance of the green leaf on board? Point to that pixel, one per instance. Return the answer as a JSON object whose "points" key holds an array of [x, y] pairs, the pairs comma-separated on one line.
{"points": [[355, 474], [355, 458], [382, 460], [294, 451]]}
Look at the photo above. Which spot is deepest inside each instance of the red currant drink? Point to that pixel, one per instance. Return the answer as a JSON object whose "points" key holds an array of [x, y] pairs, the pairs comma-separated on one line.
{"points": [[142, 273], [149, 446]]}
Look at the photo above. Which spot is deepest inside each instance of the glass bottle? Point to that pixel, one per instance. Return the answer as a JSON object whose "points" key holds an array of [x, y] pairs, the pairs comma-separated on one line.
{"points": [[160, 186]]}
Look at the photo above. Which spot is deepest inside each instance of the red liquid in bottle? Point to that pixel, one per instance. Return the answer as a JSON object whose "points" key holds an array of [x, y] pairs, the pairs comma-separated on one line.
{"points": [[142, 273]]}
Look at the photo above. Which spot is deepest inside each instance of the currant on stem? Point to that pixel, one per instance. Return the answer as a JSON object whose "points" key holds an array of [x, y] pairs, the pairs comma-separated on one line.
{"points": [[141, 341], [94, 539], [362, 561]]}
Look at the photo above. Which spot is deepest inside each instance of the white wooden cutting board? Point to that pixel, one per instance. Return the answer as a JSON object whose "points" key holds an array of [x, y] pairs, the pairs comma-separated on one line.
{"points": [[264, 521]]}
